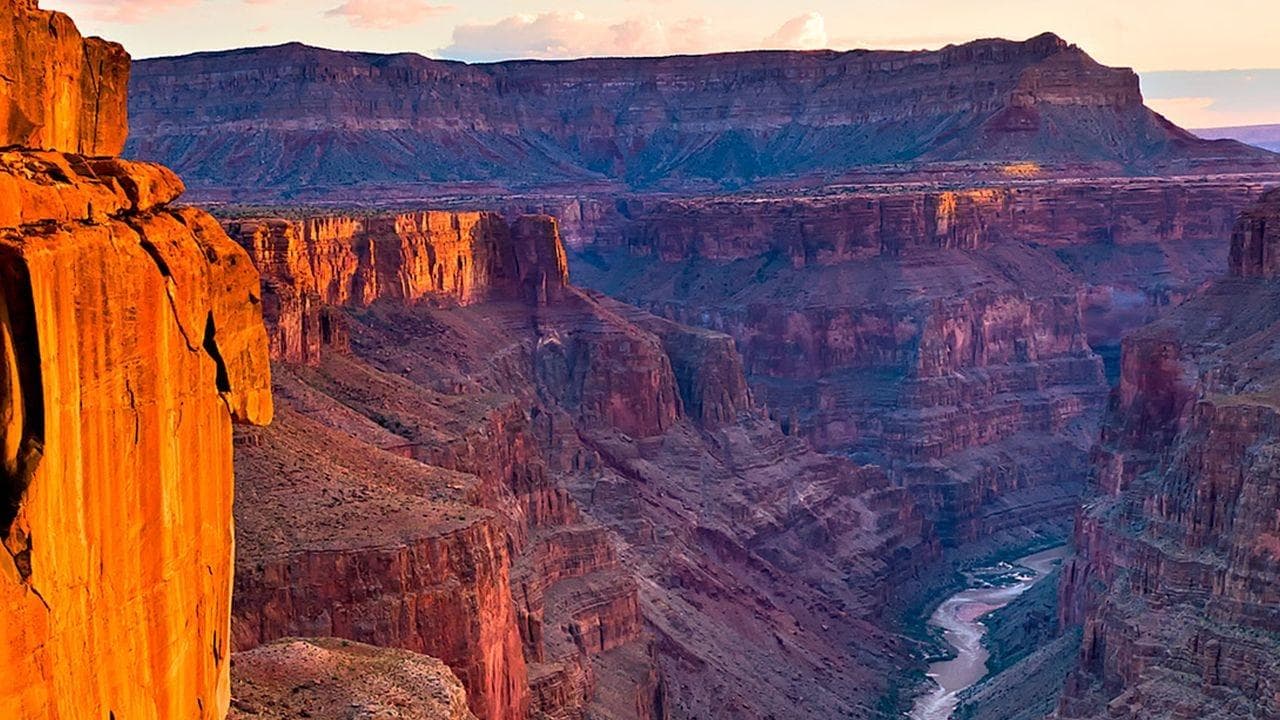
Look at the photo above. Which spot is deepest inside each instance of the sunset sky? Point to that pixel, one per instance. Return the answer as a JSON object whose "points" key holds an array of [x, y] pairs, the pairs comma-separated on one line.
{"points": [[1191, 38]]}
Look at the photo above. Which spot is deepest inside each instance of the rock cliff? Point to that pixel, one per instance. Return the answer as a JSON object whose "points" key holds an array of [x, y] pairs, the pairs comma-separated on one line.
{"points": [[1175, 581], [575, 504], [673, 123], [131, 340], [59, 91]]}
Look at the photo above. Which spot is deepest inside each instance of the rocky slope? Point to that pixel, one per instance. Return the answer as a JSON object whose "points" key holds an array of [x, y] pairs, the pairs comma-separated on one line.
{"points": [[1175, 581], [131, 339], [330, 678], [574, 504], [222, 119]]}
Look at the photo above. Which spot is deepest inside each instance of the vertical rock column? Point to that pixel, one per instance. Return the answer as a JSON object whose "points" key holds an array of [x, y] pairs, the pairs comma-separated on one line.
{"points": [[131, 339], [130, 344]]}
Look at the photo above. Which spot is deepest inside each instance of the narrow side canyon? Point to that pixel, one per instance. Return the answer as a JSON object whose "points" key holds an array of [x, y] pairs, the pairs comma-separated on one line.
{"points": [[1175, 582]]}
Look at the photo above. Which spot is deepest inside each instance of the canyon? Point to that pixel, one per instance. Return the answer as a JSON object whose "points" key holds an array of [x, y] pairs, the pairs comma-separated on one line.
{"points": [[574, 504], [1175, 578], [626, 389]]}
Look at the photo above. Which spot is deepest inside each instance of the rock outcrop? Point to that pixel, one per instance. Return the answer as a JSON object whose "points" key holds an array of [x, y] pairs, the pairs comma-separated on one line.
{"points": [[131, 339], [948, 334], [59, 91], [330, 678], [574, 504], [1178, 564], [673, 123]]}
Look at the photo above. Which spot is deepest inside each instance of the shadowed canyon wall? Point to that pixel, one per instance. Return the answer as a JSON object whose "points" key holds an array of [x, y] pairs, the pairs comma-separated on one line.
{"points": [[582, 510], [948, 335], [131, 340], [1177, 576], [300, 122]]}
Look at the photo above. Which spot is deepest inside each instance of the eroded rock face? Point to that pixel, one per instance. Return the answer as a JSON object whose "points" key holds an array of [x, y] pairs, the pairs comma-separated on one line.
{"points": [[677, 122], [1178, 570], [325, 262], [1256, 240], [131, 339], [59, 91], [947, 334], [663, 549]]}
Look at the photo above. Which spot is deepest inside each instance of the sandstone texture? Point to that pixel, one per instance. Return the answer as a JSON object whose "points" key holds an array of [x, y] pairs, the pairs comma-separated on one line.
{"points": [[737, 119], [574, 504], [329, 679], [1176, 578], [131, 339], [59, 91]]}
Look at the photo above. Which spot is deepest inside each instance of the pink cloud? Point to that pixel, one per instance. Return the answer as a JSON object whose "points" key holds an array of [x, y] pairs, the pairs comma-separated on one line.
{"points": [[806, 32], [574, 34], [386, 14], [120, 11]]}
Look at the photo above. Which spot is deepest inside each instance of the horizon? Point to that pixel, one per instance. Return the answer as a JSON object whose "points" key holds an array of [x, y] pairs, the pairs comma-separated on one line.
{"points": [[1173, 68]]}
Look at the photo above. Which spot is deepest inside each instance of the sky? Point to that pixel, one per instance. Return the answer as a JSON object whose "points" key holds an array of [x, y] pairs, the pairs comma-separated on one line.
{"points": [[1203, 64]]}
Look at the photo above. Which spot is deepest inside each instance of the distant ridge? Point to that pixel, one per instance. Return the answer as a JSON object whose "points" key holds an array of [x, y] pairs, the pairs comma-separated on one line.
{"points": [[293, 117], [1263, 136]]}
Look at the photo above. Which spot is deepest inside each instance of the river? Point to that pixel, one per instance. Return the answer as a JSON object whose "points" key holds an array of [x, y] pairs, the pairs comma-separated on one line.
{"points": [[960, 619]]}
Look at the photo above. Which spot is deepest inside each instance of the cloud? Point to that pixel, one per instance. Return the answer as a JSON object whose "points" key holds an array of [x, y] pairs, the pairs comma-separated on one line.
{"points": [[120, 11], [805, 32], [1221, 98], [574, 34], [386, 14]]}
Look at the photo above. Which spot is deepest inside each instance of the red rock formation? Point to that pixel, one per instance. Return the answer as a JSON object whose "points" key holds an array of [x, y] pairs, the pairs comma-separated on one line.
{"points": [[731, 119], [1177, 575], [947, 334], [1253, 244], [131, 339], [635, 482], [328, 678], [59, 91], [467, 257]]}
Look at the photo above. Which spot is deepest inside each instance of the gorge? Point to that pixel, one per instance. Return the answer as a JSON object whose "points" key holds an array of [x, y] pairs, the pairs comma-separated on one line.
{"points": [[627, 388]]}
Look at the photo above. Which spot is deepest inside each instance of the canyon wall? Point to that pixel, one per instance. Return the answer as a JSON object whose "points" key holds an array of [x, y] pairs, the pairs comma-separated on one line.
{"points": [[948, 335], [787, 119], [1178, 549], [575, 504], [131, 341]]}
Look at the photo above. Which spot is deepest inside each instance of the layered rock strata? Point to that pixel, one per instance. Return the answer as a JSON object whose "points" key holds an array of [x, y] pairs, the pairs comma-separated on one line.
{"points": [[946, 334], [583, 511], [1175, 582], [779, 118]]}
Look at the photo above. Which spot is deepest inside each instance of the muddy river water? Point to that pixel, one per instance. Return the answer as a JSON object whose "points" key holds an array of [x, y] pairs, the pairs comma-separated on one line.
{"points": [[960, 619]]}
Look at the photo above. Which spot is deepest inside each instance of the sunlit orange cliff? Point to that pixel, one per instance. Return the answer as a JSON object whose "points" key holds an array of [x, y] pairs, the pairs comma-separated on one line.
{"points": [[131, 340]]}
